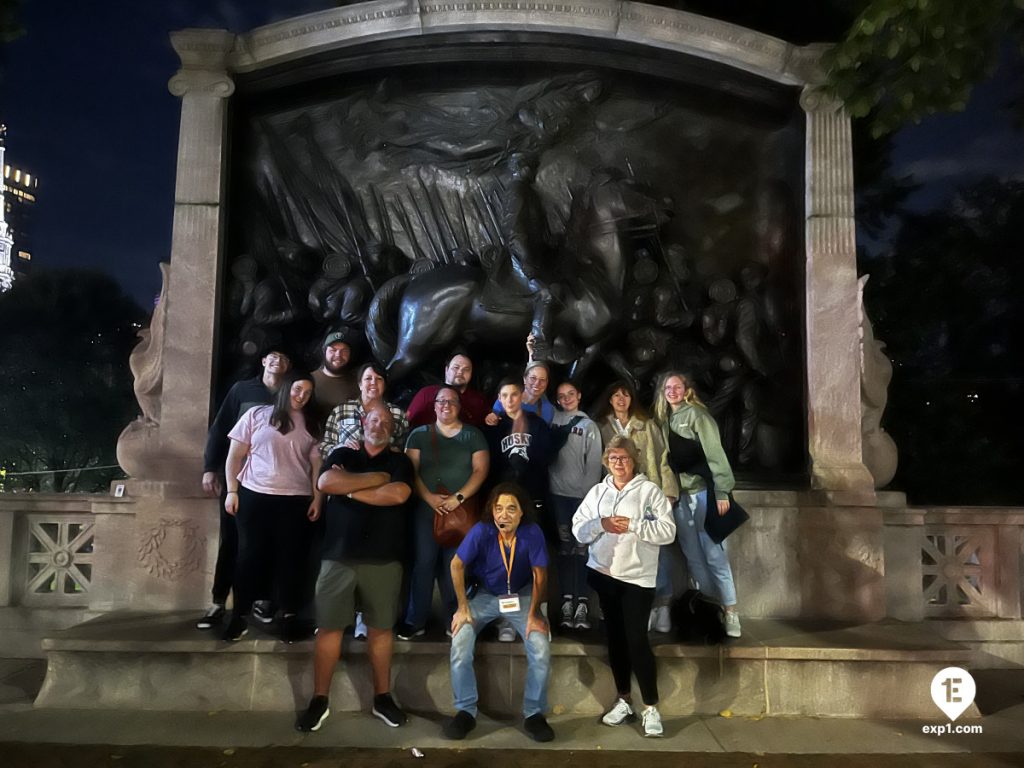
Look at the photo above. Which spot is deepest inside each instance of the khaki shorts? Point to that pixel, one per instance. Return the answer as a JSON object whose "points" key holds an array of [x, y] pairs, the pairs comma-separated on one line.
{"points": [[372, 587]]}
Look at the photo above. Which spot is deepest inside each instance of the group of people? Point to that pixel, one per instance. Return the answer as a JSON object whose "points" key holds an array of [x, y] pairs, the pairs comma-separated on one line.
{"points": [[327, 487]]}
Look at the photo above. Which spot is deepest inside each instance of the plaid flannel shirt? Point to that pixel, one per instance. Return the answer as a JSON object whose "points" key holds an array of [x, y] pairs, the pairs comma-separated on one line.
{"points": [[346, 423]]}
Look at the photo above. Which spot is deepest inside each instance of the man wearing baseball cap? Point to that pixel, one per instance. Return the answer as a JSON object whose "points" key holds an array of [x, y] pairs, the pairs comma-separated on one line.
{"points": [[335, 380]]}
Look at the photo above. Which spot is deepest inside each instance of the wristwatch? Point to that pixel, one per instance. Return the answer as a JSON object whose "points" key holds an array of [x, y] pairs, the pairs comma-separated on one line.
{"points": [[460, 498]]}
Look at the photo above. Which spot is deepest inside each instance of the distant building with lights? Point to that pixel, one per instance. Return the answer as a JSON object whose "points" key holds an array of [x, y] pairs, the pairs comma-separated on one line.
{"points": [[17, 198], [6, 241]]}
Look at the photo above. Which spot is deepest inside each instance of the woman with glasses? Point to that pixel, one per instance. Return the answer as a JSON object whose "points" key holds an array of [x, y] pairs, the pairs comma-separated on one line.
{"points": [[620, 413], [451, 462], [624, 520]]}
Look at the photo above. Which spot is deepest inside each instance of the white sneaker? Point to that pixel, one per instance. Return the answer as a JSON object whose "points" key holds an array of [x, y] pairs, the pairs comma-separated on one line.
{"points": [[567, 614], [580, 619], [731, 622], [662, 619], [620, 713], [506, 633], [652, 722], [360, 631]]}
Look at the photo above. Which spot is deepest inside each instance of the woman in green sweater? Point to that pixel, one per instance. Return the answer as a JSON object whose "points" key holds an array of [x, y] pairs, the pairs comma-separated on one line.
{"points": [[695, 452]]}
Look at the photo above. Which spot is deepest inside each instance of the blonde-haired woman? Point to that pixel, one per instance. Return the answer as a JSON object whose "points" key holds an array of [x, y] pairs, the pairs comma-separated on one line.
{"points": [[695, 452]]}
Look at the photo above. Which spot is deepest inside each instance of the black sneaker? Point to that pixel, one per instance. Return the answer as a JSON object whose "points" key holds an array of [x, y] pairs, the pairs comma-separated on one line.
{"points": [[460, 725], [237, 629], [385, 708], [212, 618], [405, 631], [314, 716], [538, 729], [263, 611], [295, 630]]}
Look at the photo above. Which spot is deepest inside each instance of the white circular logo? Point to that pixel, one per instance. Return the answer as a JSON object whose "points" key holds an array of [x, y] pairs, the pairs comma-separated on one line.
{"points": [[953, 691]]}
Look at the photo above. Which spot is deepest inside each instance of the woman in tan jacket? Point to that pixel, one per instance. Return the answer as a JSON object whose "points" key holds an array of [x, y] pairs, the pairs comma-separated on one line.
{"points": [[620, 413]]}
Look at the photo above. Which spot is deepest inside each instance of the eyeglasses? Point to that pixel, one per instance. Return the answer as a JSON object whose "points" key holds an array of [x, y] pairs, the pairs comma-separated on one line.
{"points": [[618, 459], [447, 403]]}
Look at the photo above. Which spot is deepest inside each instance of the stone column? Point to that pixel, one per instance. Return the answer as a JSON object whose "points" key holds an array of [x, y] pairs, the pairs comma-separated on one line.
{"points": [[156, 551], [204, 86], [833, 351]]}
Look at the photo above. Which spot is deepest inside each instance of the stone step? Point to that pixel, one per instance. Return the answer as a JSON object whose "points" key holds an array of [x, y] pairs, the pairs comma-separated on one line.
{"points": [[791, 667]]}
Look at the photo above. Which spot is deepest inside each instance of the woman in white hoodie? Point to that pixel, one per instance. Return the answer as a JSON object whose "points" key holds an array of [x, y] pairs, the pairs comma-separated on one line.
{"points": [[624, 520]]}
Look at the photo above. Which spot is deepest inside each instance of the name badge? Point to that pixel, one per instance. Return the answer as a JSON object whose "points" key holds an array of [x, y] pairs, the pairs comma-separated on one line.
{"points": [[508, 603]]}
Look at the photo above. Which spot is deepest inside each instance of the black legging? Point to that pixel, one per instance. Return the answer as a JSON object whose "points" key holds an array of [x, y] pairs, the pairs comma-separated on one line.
{"points": [[274, 537], [227, 556], [627, 609]]}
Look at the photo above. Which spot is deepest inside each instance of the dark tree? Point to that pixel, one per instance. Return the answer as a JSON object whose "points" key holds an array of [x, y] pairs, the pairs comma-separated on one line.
{"points": [[10, 27], [65, 386], [946, 300]]}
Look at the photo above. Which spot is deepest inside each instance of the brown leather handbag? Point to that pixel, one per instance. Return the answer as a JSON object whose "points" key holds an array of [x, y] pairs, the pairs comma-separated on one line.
{"points": [[451, 529]]}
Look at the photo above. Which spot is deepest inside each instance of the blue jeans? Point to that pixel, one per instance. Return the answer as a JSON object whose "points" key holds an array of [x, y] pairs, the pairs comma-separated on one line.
{"points": [[707, 562], [484, 607], [571, 559], [429, 561]]}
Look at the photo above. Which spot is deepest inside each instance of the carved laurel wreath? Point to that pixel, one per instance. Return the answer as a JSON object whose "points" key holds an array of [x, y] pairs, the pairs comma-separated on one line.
{"points": [[158, 565]]}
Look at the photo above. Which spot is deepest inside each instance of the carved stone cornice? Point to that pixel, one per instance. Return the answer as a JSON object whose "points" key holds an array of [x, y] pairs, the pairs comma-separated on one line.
{"points": [[712, 33], [620, 20], [804, 63], [314, 32], [203, 48]]}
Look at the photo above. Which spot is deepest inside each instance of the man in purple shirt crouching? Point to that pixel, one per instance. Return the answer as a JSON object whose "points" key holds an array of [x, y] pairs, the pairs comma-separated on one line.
{"points": [[507, 560]]}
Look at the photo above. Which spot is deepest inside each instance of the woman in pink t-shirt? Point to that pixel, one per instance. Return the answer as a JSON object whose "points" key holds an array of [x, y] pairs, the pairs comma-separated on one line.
{"points": [[271, 473]]}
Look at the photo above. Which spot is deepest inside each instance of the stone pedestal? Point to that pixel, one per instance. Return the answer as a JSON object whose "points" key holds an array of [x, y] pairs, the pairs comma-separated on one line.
{"points": [[903, 572], [842, 566], [156, 552], [802, 554]]}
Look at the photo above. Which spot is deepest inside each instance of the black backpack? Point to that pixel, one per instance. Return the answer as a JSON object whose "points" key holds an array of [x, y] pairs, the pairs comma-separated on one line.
{"points": [[697, 619]]}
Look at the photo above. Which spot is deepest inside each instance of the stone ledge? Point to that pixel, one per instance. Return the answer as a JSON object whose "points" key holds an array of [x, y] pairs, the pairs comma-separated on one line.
{"points": [[124, 632], [980, 630], [973, 515], [159, 662]]}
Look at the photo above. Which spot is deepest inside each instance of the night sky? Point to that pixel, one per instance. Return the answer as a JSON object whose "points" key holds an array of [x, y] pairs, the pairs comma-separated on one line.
{"points": [[84, 95]]}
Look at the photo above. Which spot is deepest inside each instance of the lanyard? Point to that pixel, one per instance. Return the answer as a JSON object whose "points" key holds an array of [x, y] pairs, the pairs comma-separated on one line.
{"points": [[508, 561]]}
